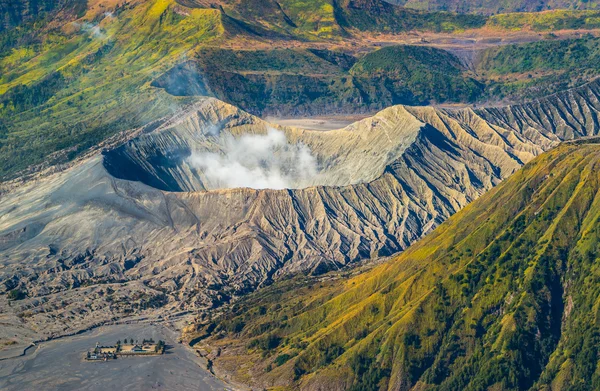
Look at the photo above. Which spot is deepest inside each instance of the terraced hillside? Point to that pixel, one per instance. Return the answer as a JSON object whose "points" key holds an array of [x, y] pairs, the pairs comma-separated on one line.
{"points": [[502, 296]]}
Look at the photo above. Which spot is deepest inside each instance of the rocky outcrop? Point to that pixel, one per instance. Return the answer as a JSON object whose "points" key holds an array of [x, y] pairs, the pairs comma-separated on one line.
{"points": [[132, 230]]}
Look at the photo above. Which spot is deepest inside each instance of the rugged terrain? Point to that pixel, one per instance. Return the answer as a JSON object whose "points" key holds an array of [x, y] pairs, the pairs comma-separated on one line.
{"points": [[75, 72], [140, 184], [502, 296], [132, 229]]}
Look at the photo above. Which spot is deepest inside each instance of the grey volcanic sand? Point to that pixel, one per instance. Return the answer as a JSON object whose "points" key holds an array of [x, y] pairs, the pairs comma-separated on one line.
{"points": [[317, 123], [59, 365]]}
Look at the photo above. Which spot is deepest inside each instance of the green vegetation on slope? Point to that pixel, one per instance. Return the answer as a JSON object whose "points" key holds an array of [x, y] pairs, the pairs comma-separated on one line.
{"points": [[14, 13], [268, 81], [328, 18], [373, 15], [542, 56], [267, 61], [79, 84], [304, 19], [496, 6], [547, 21], [318, 19], [285, 81], [425, 74], [531, 70], [503, 296]]}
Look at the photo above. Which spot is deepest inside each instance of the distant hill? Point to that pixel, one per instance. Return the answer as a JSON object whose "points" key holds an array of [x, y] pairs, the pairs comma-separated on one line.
{"points": [[489, 7], [502, 296], [300, 82]]}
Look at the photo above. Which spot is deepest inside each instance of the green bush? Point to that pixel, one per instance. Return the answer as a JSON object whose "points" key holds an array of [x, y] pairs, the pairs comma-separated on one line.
{"points": [[265, 343], [282, 359], [16, 294]]}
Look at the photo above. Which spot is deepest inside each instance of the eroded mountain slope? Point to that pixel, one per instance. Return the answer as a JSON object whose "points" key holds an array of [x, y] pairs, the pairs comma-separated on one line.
{"points": [[502, 296], [568, 114], [130, 231]]}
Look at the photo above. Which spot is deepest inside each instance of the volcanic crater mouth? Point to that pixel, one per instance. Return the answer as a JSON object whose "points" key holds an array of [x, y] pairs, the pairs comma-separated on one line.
{"points": [[258, 161], [217, 146]]}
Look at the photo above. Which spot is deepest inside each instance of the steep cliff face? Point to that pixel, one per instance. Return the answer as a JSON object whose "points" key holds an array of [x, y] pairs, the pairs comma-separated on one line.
{"points": [[293, 82], [131, 230]]}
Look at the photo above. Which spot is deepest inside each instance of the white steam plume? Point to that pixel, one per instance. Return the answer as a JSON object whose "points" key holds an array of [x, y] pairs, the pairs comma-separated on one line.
{"points": [[265, 161], [93, 29]]}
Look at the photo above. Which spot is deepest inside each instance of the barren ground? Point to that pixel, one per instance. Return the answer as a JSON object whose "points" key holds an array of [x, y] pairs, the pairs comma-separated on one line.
{"points": [[464, 44], [318, 122], [59, 365]]}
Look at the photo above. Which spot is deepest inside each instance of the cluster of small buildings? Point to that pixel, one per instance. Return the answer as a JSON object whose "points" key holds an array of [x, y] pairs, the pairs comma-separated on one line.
{"points": [[105, 353]]}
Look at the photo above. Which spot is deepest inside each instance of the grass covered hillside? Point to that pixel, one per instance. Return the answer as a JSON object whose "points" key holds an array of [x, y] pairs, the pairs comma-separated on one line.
{"points": [[493, 7], [301, 81], [531, 70], [546, 21], [502, 296], [426, 74], [76, 84], [381, 16], [15, 13]]}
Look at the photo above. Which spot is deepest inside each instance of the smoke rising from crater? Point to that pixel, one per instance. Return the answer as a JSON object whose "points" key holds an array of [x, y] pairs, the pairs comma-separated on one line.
{"points": [[265, 161]]}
